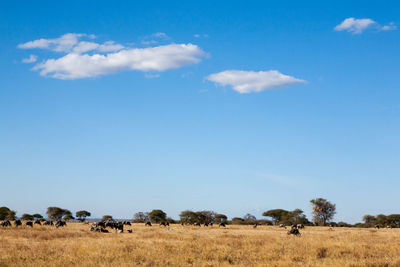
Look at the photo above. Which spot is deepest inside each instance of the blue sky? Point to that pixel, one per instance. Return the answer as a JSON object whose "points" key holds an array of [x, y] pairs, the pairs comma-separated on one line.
{"points": [[233, 106]]}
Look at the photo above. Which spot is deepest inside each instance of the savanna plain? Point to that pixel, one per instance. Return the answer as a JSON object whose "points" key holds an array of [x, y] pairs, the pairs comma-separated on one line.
{"points": [[75, 245]]}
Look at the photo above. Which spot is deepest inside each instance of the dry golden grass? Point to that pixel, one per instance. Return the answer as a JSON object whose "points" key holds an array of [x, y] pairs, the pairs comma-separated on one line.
{"points": [[75, 245]]}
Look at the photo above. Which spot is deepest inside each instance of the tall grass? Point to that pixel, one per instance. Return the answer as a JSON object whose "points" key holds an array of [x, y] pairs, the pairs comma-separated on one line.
{"points": [[75, 245]]}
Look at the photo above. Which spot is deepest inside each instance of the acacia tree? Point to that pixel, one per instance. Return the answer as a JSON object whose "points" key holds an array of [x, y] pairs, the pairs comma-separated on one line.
{"points": [[56, 213], [221, 218], [37, 216], [68, 217], [141, 217], [7, 214], [157, 216], [107, 218], [27, 217], [82, 214], [323, 211], [277, 215]]}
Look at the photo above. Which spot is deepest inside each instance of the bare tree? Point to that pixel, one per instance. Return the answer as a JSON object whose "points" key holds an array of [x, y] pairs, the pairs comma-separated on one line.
{"points": [[323, 211]]}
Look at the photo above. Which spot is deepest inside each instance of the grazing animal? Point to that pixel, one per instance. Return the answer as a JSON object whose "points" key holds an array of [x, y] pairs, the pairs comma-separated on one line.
{"points": [[127, 223], [294, 231], [222, 224], [129, 231], [300, 226], [29, 223], [211, 224], [148, 224], [5, 223], [377, 227], [197, 224], [255, 226], [389, 227], [38, 222], [164, 224], [17, 223], [282, 225], [48, 223], [60, 224]]}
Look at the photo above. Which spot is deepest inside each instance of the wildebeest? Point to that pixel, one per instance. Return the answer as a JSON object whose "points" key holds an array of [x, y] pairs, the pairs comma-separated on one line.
{"points": [[5, 223], [60, 223], [48, 223], [148, 224], [222, 224], [255, 226], [29, 223], [294, 231], [17, 223], [206, 224], [300, 226], [164, 224], [129, 231], [377, 226], [127, 223], [197, 224], [38, 222], [282, 225], [101, 230]]}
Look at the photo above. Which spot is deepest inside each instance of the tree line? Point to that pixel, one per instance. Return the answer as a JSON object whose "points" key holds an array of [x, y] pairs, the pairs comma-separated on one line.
{"points": [[323, 213]]}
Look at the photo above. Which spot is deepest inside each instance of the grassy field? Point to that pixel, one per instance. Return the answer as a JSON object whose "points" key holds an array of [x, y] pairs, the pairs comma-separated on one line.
{"points": [[75, 245]]}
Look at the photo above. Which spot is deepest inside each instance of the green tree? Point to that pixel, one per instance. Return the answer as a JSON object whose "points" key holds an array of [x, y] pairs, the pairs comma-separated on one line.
{"points": [[369, 220], [37, 216], [12, 215], [68, 217], [56, 213], [298, 217], [323, 211], [250, 219], [221, 218], [188, 216], [237, 220], [381, 219], [107, 218], [82, 214], [27, 217], [393, 220], [141, 217], [4, 212], [157, 216], [277, 215]]}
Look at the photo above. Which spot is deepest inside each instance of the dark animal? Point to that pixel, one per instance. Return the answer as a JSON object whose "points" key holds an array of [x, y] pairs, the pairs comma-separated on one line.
{"points": [[300, 226], [60, 224], [222, 225], [148, 224], [255, 226], [282, 225], [5, 223], [129, 231], [38, 222], [17, 223], [164, 224], [48, 223], [197, 224], [127, 223], [377, 226], [29, 223], [206, 224], [294, 231]]}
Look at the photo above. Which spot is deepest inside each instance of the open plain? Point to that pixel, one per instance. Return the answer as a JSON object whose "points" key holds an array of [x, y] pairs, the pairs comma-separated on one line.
{"points": [[178, 245]]}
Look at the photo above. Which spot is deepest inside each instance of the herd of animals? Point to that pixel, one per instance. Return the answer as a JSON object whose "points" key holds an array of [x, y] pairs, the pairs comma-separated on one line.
{"points": [[118, 226]]}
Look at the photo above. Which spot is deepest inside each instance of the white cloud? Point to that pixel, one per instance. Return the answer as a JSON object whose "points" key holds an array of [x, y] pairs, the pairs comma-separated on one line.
{"points": [[252, 81], [155, 38], [152, 59], [109, 57], [390, 27], [70, 42], [31, 59], [355, 26]]}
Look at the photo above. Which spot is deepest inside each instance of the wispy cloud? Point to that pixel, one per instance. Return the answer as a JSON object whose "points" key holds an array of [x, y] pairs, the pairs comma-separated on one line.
{"points": [[155, 38], [109, 57], [31, 59], [358, 26], [252, 81]]}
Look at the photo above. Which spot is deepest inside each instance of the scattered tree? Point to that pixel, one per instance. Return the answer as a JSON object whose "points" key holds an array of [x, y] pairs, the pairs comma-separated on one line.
{"points": [[4, 212], [157, 216], [141, 217], [37, 216], [56, 213], [323, 211], [107, 218], [27, 217], [82, 214], [277, 215], [221, 218], [68, 217]]}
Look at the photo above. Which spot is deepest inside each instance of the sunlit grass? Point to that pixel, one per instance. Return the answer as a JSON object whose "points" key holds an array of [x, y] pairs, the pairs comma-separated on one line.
{"points": [[185, 246]]}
